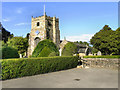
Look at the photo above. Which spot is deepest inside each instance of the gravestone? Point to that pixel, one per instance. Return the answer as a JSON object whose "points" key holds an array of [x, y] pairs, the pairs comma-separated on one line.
{"points": [[99, 53]]}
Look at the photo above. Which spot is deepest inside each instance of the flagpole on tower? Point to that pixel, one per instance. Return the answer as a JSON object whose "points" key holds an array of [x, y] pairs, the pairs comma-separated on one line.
{"points": [[44, 7], [44, 10]]}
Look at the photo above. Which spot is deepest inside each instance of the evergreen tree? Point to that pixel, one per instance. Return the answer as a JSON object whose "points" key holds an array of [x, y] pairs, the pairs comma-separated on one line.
{"points": [[69, 49], [107, 41], [44, 48]]}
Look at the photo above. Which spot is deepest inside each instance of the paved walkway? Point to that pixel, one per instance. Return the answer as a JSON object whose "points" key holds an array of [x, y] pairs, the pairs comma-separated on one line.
{"points": [[72, 78]]}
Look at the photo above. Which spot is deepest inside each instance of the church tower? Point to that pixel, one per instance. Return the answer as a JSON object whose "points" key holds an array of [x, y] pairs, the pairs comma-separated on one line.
{"points": [[43, 27]]}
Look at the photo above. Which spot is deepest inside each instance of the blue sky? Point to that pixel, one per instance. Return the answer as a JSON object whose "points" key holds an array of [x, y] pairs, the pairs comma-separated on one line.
{"points": [[78, 20]]}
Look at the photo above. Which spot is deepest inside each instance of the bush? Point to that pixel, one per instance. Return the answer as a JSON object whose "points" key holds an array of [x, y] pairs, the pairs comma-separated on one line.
{"points": [[14, 68], [53, 54], [41, 45], [9, 52], [104, 56], [69, 49], [45, 52]]}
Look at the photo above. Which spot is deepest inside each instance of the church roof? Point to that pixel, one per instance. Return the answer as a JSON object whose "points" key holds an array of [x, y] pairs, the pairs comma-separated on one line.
{"points": [[81, 45]]}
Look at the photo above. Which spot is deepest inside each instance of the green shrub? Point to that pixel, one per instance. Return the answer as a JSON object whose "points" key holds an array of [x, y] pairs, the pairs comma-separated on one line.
{"points": [[104, 56], [14, 68], [45, 52], [9, 52], [41, 45], [69, 49], [53, 54]]}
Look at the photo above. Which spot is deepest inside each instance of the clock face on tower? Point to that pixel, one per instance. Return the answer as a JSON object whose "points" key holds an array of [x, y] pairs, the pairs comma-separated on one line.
{"points": [[37, 32]]}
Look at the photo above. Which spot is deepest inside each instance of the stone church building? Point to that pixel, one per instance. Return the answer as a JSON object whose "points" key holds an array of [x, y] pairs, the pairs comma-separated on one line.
{"points": [[43, 27], [46, 27]]}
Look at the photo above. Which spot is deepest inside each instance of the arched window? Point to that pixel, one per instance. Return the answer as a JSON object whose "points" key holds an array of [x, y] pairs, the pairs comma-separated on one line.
{"points": [[38, 24], [37, 40]]}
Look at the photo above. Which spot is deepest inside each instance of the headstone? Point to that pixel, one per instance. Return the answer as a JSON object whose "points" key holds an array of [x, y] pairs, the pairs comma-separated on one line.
{"points": [[90, 54], [60, 52], [99, 53], [20, 55]]}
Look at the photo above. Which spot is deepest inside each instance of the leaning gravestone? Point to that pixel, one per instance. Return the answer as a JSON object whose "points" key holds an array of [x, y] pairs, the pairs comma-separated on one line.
{"points": [[99, 53]]}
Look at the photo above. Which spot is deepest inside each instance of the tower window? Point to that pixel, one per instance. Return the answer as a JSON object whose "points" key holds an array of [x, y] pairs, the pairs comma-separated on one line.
{"points": [[48, 34], [49, 23], [38, 24]]}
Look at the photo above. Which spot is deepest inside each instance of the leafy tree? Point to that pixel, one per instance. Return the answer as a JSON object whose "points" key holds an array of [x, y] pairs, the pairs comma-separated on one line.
{"points": [[9, 52], [69, 49], [19, 43], [0, 49], [80, 42], [42, 47], [94, 50], [5, 34], [106, 41], [3, 44], [115, 39], [27, 36], [86, 43]]}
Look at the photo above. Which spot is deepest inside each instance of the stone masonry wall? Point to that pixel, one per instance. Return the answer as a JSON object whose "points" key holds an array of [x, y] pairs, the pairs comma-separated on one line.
{"points": [[43, 27], [101, 62]]}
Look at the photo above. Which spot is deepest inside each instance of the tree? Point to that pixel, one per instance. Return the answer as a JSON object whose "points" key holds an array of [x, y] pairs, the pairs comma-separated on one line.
{"points": [[69, 49], [27, 36], [9, 52], [45, 52], [116, 42], [94, 50], [45, 47], [106, 41], [81, 42], [3, 43], [52, 54], [19, 43], [5, 34], [86, 43]]}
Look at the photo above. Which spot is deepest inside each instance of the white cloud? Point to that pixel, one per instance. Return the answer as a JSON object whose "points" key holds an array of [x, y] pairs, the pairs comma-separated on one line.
{"points": [[20, 24], [83, 37], [6, 19]]}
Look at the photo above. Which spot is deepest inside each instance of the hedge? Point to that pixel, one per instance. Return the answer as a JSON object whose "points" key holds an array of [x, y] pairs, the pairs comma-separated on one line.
{"points": [[104, 56], [42, 45], [15, 68]]}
